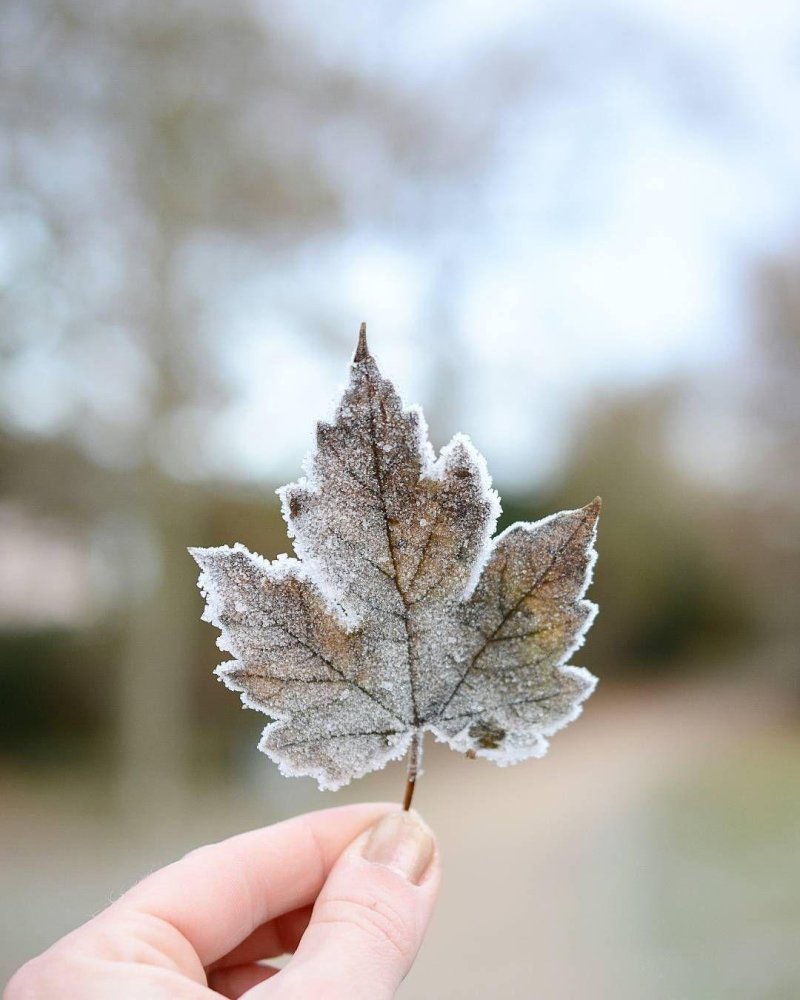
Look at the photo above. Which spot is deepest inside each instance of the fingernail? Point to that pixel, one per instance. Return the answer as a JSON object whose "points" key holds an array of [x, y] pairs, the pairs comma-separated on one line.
{"points": [[402, 842]]}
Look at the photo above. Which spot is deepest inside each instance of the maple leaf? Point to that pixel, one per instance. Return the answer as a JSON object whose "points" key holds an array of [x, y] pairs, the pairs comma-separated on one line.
{"points": [[401, 614]]}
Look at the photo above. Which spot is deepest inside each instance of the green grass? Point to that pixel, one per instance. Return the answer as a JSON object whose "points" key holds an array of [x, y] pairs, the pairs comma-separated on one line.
{"points": [[721, 876]]}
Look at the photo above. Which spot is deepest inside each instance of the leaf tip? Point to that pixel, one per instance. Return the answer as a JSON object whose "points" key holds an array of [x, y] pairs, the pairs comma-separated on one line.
{"points": [[196, 553], [592, 510], [362, 351]]}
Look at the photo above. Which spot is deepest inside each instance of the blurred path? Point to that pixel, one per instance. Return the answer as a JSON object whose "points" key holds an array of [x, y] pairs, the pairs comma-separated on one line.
{"points": [[542, 860]]}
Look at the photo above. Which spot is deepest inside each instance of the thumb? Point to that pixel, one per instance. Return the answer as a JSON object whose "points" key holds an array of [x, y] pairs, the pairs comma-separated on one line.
{"points": [[369, 919]]}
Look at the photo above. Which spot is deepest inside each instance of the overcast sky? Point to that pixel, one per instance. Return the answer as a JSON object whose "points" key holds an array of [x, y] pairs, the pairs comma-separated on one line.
{"points": [[627, 196], [633, 160]]}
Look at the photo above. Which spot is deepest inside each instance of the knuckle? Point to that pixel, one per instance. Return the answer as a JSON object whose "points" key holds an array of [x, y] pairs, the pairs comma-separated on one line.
{"points": [[375, 917], [31, 980], [197, 855]]}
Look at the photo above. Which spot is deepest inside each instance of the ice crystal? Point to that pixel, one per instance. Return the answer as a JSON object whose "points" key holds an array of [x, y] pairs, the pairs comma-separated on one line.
{"points": [[401, 614]]}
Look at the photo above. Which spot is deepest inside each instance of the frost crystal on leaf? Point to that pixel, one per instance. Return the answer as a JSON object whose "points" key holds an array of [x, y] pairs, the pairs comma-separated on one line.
{"points": [[401, 614]]}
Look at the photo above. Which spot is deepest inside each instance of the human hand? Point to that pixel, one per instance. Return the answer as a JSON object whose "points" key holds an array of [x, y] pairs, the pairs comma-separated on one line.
{"points": [[354, 916]]}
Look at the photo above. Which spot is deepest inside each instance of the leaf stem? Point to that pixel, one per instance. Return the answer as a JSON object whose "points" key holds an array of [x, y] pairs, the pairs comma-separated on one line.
{"points": [[414, 767]]}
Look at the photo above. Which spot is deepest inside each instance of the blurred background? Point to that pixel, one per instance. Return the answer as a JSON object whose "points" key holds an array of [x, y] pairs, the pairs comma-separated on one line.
{"points": [[574, 232]]}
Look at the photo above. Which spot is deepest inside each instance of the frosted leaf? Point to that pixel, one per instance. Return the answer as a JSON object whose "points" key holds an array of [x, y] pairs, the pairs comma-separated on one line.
{"points": [[401, 615]]}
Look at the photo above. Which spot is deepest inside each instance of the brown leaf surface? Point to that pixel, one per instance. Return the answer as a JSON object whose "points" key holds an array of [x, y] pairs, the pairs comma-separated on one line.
{"points": [[400, 614]]}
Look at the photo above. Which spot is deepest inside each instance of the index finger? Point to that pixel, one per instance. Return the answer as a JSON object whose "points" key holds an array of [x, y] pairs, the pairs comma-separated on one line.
{"points": [[219, 894]]}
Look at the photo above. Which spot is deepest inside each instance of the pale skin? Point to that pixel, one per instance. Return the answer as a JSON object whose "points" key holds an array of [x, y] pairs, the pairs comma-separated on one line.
{"points": [[348, 891]]}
